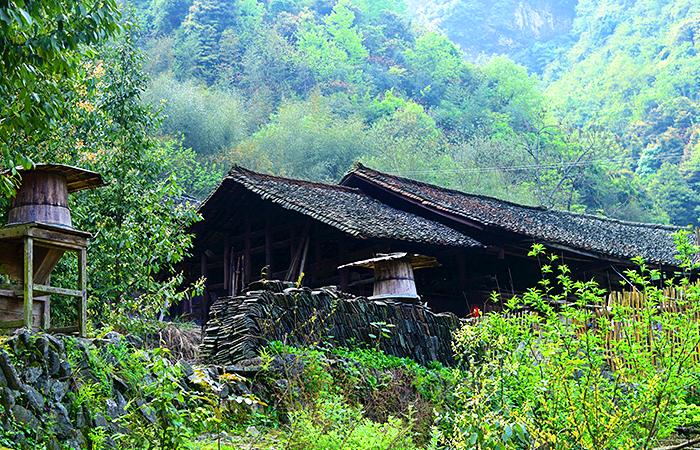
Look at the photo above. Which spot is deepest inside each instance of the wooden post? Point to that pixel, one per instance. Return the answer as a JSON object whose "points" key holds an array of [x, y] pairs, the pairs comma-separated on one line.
{"points": [[46, 321], [268, 246], [203, 272], [303, 258], [203, 266], [462, 271], [344, 273], [28, 282], [248, 264], [82, 281], [227, 265]]}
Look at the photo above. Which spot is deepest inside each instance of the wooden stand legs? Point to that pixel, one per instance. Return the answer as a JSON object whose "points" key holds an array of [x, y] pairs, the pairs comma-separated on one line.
{"points": [[28, 282], [82, 281], [29, 288]]}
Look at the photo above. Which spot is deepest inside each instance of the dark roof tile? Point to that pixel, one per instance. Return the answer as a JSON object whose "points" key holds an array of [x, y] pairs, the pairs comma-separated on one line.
{"points": [[604, 236], [348, 209]]}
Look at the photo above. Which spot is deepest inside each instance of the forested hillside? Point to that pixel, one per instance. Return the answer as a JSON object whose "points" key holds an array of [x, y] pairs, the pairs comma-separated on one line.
{"points": [[304, 88], [631, 67], [635, 69], [160, 97], [531, 32]]}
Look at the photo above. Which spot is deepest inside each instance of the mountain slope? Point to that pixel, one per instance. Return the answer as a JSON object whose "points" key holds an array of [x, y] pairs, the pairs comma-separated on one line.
{"points": [[306, 87], [532, 32], [632, 67]]}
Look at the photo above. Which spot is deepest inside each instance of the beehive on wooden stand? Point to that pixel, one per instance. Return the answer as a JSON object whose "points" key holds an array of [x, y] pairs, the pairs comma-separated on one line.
{"points": [[38, 233], [393, 274]]}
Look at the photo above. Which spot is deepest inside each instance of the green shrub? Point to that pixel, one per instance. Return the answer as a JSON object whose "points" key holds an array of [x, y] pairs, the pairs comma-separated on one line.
{"points": [[554, 377], [168, 414], [332, 424]]}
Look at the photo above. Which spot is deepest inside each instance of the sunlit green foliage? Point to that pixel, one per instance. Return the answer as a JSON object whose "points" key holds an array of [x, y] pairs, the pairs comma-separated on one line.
{"points": [[635, 68], [42, 45], [305, 88], [305, 137], [547, 371], [138, 219]]}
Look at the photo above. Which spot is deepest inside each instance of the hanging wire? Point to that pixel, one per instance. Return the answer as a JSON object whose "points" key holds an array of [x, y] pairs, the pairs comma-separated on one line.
{"points": [[511, 168]]}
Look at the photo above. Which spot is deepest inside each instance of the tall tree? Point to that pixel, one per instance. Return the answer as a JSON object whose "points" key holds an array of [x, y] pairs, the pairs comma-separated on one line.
{"points": [[42, 44]]}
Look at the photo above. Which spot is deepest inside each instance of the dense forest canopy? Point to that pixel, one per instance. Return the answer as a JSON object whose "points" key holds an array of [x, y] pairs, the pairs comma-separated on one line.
{"points": [[589, 106]]}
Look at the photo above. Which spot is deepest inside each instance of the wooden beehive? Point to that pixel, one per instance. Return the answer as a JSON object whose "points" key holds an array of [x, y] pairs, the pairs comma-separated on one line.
{"points": [[393, 274], [38, 232], [42, 196]]}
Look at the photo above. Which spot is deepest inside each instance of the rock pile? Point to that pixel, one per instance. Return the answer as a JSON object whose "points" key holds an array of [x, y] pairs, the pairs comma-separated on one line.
{"points": [[276, 311], [40, 390]]}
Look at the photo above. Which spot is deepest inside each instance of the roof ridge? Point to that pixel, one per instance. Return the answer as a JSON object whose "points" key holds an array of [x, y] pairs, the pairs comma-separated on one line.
{"points": [[240, 169], [359, 168]]}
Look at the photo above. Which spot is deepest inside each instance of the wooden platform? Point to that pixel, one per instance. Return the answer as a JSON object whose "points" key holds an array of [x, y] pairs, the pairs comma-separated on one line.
{"points": [[28, 254]]}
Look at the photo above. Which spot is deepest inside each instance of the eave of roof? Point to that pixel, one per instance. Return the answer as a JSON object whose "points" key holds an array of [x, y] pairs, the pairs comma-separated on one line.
{"points": [[580, 231], [77, 178]]}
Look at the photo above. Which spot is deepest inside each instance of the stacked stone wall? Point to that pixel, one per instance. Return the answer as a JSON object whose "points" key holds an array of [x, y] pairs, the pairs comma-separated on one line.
{"points": [[274, 311]]}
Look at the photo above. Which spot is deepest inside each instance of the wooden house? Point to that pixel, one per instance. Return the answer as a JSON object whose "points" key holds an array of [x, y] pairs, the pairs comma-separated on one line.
{"points": [[261, 226]]}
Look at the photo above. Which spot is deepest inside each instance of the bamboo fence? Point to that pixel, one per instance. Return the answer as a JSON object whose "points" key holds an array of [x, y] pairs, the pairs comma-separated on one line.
{"points": [[633, 330]]}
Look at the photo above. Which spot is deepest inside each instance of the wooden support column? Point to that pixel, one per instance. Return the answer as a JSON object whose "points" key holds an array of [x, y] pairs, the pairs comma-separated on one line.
{"points": [[227, 265], [203, 265], [462, 270], [268, 245], [82, 281], [28, 282], [344, 273], [248, 264], [46, 314], [203, 272]]}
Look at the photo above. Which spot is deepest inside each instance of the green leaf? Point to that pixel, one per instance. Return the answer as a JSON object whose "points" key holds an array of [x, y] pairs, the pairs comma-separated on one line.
{"points": [[27, 18]]}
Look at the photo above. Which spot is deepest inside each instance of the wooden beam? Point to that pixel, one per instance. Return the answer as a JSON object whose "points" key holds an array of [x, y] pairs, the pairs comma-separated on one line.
{"points": [[28, 282], [45, 289], [11, 323], [423, 204], [274, 245], [14, 231], [17, 290], [65, 330]]}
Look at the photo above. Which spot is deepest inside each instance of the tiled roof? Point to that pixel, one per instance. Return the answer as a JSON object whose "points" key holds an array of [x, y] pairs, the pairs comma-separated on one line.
{"points": [[610, 237], [346, 209]]}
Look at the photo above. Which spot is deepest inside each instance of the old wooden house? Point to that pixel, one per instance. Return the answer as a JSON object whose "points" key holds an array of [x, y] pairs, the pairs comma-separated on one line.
{"points": [[261, 226]]}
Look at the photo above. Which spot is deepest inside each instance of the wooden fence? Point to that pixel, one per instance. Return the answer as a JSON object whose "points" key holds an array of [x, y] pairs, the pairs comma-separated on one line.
{"points": [[673, 300]]}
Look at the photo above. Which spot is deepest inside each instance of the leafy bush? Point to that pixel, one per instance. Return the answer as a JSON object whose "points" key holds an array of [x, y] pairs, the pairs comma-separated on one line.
{"points": [[554, 376], [210, 121], [333, 425], [373, 391], [166, 415]]}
